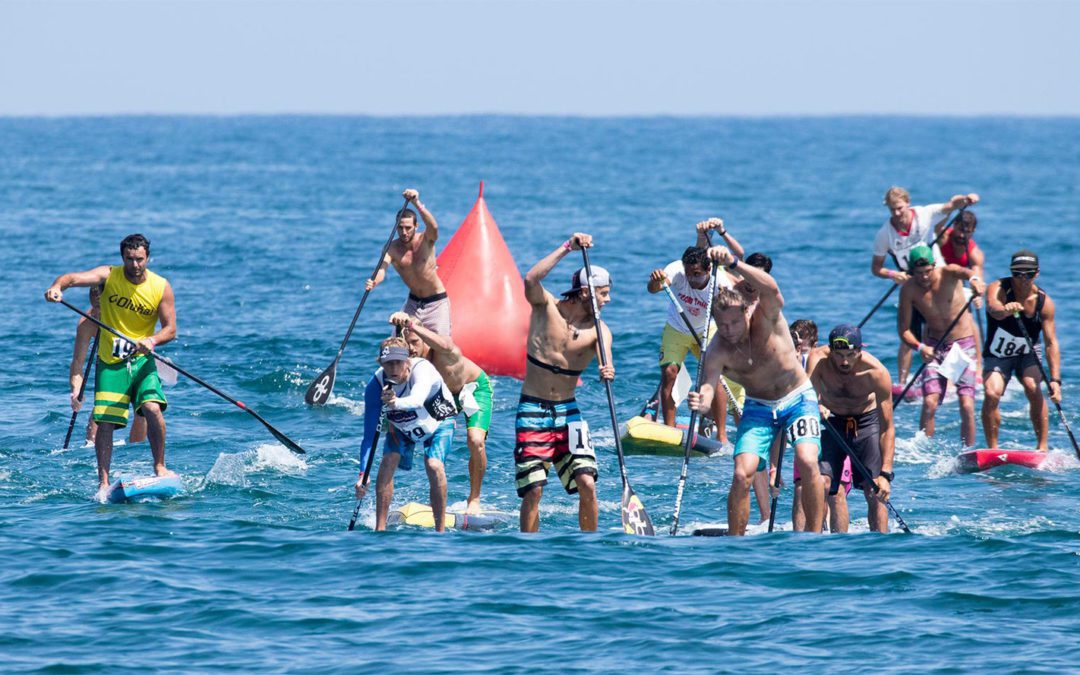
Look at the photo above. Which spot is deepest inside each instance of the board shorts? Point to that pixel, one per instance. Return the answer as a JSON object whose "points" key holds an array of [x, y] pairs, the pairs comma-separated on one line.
{"points": [[130, 383], [934, 383], [1012, 365], [436, 446], [432, 312], [476, 400], [862, 433], [845, 476], [675, 345], [551, 433], [796, 415]]}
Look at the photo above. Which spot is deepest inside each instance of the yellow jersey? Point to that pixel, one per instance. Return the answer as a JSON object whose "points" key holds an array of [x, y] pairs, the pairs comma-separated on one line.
{"points": [[132, 309]]}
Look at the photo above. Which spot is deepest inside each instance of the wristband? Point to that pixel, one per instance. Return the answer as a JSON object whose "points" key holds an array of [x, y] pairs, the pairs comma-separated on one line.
{"points": [[888, 475], [974, 279], [733, 265], [722, 233], [1056, 379], [566, 244], [919, 347]]}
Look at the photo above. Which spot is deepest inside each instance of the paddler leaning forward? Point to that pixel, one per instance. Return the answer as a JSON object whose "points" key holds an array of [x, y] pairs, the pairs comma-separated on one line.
{"points": [[753, 347], [470, 385], [550, 431], [134, 301]]}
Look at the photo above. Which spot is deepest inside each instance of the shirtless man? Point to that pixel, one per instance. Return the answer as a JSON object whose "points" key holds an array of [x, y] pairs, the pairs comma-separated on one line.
{"points": [[470, 385], [855, 392], [413, 256], [125, 375], [938, 294], [1006, 351], [84, 335], [958, 247], [550, 431], [753, 347], [907, 227]]}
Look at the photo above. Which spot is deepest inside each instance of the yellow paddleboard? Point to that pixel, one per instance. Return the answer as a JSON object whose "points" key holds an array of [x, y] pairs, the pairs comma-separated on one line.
{"points": [[416, 514]]}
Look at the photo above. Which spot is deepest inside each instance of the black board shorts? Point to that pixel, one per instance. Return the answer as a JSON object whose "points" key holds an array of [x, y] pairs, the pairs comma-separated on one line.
{"points": [[862, 434]]}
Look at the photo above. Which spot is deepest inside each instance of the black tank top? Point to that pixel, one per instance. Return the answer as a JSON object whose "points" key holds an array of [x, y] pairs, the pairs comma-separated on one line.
{"points": [[1004, 339]]}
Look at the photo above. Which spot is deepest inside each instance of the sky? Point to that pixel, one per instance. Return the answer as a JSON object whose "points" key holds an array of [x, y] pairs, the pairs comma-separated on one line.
{"points": [[540, 57]]}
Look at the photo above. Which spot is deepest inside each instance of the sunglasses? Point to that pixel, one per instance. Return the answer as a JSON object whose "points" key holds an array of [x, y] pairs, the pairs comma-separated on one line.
{"points": [[1025, 275]]}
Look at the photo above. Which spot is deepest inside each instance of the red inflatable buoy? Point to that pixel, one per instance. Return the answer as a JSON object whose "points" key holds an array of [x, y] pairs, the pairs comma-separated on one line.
{"points": [[488, 308]]}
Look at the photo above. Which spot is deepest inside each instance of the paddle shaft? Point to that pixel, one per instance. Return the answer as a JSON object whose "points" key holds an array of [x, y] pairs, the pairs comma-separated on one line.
{"points": [[367, 474], [90, 356], [776, 481], [374, 273], [288, 442], [895, 285], [899, 398], [861, 468], [1046, 380], [688, 443], [627, 490]]}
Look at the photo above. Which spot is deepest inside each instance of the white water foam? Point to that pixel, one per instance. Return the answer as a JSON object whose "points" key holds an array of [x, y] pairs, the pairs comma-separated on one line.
{"points": [[355, 408]]}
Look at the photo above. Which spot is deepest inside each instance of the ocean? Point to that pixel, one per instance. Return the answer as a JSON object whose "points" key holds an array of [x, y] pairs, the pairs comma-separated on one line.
{"points": [[266, 228]]}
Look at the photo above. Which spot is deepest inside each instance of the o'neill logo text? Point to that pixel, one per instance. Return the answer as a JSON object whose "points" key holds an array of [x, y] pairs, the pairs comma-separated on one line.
{"points": [[129, 304]]}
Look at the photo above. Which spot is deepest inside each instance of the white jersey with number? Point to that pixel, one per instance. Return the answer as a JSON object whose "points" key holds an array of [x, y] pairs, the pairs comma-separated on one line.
{"points": [[921, 231], [694, 300], [421, 402]]}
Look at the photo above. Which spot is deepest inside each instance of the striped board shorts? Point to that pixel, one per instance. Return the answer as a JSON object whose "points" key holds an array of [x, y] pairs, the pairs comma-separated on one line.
{"points": [[551, 433]]}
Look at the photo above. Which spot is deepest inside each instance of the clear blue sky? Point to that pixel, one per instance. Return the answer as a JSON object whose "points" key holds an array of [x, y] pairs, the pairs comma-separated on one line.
{"points": [[598, 57]]}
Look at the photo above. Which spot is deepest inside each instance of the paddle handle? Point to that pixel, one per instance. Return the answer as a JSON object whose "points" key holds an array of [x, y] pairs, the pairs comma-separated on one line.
{"points": [[90, 356], [288, 442], [1046, 381]]}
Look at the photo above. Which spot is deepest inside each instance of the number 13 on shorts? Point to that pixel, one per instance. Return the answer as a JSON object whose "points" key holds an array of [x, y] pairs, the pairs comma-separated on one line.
{"points": [[578, 438]]}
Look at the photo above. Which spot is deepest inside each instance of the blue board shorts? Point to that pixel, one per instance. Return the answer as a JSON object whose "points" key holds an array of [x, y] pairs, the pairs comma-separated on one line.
{"points": [[436, 446], [796, 414]]}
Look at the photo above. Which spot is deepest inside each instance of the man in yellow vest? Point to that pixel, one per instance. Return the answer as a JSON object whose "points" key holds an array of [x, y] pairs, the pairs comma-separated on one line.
{"points": [[133, 301]]}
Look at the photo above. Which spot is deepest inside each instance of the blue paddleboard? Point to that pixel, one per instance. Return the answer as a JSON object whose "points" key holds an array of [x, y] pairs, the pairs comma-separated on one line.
{"points": [[127, 489]]}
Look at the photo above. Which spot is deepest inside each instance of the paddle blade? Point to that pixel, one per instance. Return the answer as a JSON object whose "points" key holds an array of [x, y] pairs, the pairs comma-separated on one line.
{"points": [[634, 518], [319, 391], [286, 441], [682, 387]]}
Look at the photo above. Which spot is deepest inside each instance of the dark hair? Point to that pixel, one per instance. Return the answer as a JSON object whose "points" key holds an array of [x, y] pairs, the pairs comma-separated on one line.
{"points": [[407, 213], [695, 255], [967, 218], [760, 260], [803, 329], [134, 241]]}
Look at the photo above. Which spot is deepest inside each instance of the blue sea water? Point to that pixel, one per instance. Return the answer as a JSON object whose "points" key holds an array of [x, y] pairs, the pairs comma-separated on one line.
{"points": [[266, 227]]}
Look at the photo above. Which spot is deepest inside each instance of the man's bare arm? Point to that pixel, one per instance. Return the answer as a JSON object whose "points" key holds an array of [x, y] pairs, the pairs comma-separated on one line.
{"points": [[534, 288], [94, 277]]}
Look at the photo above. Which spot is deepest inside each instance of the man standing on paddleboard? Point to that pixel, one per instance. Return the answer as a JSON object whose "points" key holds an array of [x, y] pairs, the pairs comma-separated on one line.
{"points": [[689, 280], [1006, 350], [135, 300], [413, 256], [421, 411], [753, 347], [958, 247], [855, 393], [908, 227], [472, 389], [937, 293], [84, 335], [550, 430]]}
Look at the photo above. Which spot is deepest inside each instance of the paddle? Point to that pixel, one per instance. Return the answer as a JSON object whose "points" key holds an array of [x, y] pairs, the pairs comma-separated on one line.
{"points": [[319, 390], [634, 518], [367, 474], [776, 483], [1046, 381], [288, 442], [90, 356], [898, 398], [937, 239], [688, 443], [857, 463]]}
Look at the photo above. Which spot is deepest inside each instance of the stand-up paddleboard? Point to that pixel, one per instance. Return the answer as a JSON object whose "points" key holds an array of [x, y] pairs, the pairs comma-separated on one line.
{"points": [[421, 515], [985, 458], [126, 489], [644, 436], [711, 532]]}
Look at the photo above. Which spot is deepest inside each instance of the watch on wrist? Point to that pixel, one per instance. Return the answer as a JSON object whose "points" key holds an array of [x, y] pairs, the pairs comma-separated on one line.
{"points": [[733, 265], [1056, 379], [888, 475]]}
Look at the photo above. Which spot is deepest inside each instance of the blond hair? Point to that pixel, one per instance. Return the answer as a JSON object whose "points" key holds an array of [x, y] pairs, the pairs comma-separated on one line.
{"points": [[393, 341], [895, 193], [727, 298]]}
